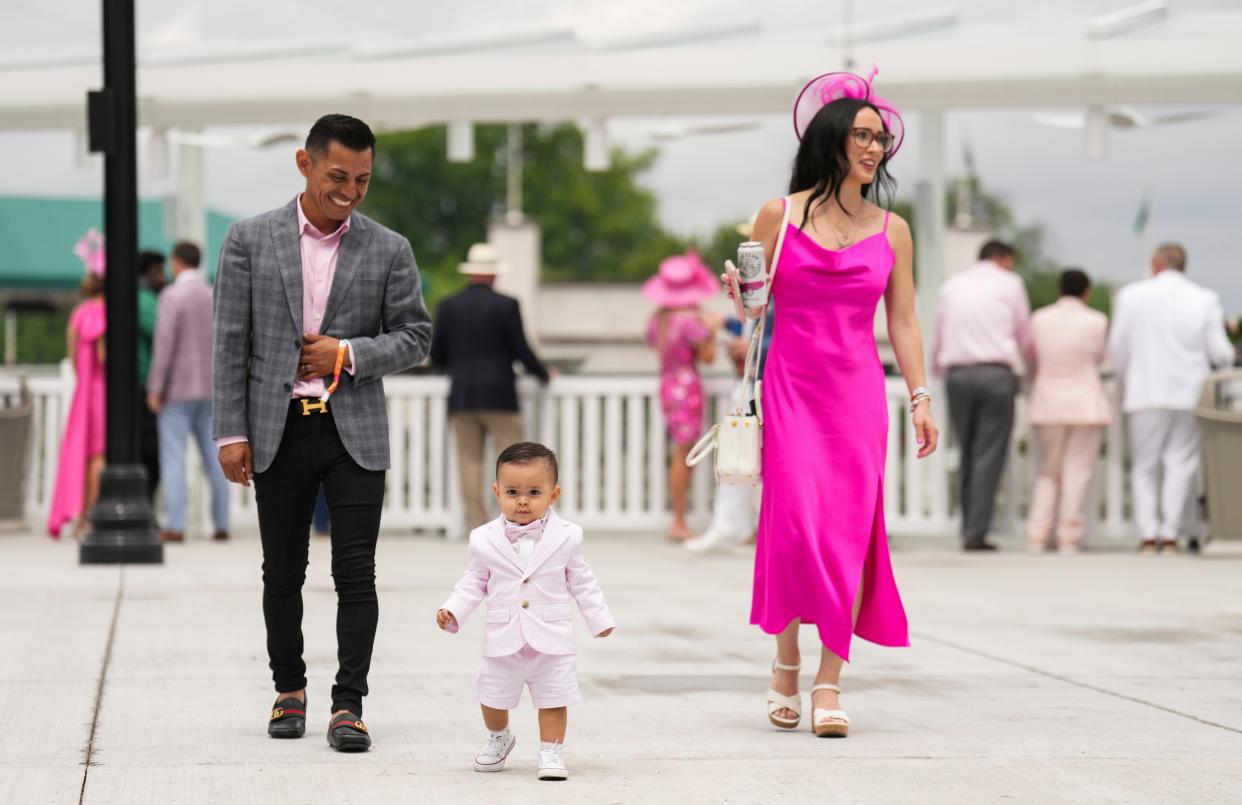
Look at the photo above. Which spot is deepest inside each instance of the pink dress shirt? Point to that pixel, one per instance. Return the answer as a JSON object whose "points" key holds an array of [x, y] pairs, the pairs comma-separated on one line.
{"points": [[983, 316], [181, 349], [319, 253]]}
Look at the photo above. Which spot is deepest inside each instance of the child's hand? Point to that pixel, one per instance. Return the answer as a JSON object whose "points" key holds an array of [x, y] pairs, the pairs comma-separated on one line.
{"points": [[445, 619], [606, 632]]}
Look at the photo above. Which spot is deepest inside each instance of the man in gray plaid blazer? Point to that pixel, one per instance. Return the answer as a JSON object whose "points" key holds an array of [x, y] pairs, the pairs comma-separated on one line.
{"points": [[314, 304]]}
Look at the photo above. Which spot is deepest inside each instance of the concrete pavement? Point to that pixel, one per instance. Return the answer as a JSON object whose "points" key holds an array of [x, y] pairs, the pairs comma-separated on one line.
{"points": [[1097, 678]]}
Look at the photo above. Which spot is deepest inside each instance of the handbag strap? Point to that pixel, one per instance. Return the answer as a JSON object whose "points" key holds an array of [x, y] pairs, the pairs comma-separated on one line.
{"points": [[754, 350], [703, 447]]}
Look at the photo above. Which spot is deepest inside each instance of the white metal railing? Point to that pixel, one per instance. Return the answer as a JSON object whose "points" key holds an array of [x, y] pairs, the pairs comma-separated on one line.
{"points": [[608, 432]]}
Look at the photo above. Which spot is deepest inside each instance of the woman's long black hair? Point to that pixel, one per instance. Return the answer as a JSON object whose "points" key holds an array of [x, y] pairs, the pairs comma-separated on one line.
{"points": [[822, 163]]}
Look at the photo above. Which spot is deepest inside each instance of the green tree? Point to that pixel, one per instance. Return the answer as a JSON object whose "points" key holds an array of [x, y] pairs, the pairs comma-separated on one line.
{"points": [[720, 245], [595, 226], [40, 335]]}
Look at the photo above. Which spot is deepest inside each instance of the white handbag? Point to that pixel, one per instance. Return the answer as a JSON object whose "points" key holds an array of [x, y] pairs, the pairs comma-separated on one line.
{"points": [[738, 437]]}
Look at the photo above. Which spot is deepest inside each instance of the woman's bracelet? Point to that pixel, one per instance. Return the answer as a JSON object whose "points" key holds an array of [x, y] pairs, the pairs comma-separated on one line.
{"points": [[918, 391], [918, 400]]}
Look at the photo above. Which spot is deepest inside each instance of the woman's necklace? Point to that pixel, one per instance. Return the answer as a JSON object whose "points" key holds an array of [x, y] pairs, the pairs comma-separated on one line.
{"points": [[842, 240]]}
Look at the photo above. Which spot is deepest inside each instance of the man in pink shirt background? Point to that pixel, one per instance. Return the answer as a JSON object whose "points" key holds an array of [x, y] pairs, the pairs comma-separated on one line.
{"points": [[982, 337], [179, 391]]}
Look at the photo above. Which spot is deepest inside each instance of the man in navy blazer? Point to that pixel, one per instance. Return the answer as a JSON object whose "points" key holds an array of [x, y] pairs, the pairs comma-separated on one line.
{"points": [[477, 337]]}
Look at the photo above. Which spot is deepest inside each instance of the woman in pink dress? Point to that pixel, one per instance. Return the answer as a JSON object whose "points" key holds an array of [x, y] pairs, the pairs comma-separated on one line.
{"points": [[82, 447], [681, 334], [822, 550]]}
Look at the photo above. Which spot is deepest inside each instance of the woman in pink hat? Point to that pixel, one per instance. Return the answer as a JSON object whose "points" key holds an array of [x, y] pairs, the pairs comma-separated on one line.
{"points": [[681, 334], [821, 554]]}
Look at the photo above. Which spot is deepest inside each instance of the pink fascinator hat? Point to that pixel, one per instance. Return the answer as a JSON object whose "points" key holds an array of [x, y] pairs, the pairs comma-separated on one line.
{"points": [[682, 281], [90, 250], [829, 87]]}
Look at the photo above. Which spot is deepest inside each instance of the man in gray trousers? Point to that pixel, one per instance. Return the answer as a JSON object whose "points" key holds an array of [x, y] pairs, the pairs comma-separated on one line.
{"points": [[314, 304], [982, 333]]}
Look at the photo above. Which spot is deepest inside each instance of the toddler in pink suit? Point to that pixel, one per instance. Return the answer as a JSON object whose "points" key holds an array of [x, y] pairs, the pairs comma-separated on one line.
{"points": [[527, 565]]}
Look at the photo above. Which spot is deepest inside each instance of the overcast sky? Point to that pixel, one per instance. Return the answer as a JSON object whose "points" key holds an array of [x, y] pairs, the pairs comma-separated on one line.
{"points": [[1193, 170]]}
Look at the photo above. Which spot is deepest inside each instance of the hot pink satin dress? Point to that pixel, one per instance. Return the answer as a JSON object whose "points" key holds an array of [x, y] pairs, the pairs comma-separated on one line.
{"points": [[85, 425], [821, 524]]}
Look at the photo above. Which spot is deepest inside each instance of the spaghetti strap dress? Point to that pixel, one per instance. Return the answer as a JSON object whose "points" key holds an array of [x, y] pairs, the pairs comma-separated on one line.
{"points": [[825, 433]]}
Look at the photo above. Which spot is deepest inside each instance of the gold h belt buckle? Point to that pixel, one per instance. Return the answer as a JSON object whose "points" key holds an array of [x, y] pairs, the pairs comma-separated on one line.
{"points": [[310, 406]]}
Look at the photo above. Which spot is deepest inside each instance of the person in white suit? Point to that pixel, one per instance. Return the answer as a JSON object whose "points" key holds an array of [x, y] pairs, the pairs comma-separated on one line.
{"points": [[1168, 333], [527, 565]]}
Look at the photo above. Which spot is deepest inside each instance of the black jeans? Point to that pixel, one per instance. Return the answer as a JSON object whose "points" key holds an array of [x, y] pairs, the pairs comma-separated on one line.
{"points": [[981, 403], [311, 453]]}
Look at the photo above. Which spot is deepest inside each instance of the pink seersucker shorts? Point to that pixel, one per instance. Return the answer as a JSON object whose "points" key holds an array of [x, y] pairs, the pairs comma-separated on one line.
{"points": [[552, 679]]}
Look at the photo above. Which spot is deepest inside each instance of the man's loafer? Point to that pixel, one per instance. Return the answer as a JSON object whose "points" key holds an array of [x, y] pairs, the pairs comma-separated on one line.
{"points": [[347, 733], [288, 719]]}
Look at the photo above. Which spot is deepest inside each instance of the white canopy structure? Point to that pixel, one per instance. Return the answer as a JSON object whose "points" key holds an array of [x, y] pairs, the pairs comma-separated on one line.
{"points": [[743, 68], [930, 60]]}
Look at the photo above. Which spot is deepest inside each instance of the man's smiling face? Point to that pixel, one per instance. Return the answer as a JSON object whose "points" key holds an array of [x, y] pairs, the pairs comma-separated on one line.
{"points": [[336, 182]]}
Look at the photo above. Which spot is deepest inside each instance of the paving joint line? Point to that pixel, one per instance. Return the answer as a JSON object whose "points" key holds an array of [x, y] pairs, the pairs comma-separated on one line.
{"points": [[1071, 681], [103, 677]]}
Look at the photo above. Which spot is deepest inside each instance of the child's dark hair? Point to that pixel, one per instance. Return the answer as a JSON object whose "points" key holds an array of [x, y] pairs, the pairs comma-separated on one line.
{"points": [[525, 453]]}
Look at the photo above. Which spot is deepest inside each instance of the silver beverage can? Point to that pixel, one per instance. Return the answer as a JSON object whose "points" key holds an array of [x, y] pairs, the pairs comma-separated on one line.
{"points": [[752, 274]]}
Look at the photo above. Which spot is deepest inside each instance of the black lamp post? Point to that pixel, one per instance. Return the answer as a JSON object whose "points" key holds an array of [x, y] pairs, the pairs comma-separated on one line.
{"points": [[122, 523]]}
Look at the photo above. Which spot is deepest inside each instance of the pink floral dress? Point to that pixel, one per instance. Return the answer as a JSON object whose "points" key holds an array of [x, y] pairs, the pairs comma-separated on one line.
{"points": [[681, 389]]}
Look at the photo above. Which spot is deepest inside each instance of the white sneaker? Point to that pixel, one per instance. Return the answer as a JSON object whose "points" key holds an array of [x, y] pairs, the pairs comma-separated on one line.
{"points": [[495, 749], [551, 764], [711, 540]]}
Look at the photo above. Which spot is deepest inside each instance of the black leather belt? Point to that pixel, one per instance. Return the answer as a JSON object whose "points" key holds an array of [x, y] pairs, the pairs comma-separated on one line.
{"points": [[309, 405]]}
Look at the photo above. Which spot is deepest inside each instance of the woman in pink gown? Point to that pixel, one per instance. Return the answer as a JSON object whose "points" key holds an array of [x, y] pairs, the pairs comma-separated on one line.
{"points": [[822, 551], [82, 447]]}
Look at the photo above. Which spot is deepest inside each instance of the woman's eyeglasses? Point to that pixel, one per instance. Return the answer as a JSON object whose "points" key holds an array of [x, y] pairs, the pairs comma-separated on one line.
{"points": [[864, 137]]}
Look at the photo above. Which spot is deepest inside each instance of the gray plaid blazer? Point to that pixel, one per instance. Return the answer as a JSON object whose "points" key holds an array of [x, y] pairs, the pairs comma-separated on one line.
{"points": [[376, 302]]}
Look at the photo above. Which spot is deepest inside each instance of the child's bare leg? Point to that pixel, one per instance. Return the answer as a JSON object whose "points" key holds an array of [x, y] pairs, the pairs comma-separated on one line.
{"points": [[552, 724], [497, 720]]}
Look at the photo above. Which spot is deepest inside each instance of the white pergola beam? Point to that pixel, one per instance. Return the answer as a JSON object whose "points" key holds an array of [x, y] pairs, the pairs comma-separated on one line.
{"points": [[1126, 20], [895, 26], [537, 86], [689, 35], [461, 141], [595, 156], [456, 44], [413, 110]]}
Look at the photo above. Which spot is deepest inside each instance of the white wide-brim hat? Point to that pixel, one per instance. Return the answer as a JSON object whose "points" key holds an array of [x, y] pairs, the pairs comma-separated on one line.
{"points": [[482, 259]]}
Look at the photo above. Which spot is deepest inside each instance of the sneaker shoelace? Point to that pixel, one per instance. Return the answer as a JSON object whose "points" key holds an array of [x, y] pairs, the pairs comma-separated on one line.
{"points": [[495, 745], [551, 756]]}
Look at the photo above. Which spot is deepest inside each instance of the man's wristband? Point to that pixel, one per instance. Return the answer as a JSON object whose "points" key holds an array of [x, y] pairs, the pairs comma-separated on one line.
{"points": [[342, 349]]}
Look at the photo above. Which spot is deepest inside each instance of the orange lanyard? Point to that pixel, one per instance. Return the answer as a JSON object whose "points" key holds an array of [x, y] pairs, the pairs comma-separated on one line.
{"points": [[341, 349]]}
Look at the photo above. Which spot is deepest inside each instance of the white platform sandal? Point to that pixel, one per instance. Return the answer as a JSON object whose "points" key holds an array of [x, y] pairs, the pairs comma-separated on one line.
{"points": [[828, 723], [779, 701]]}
